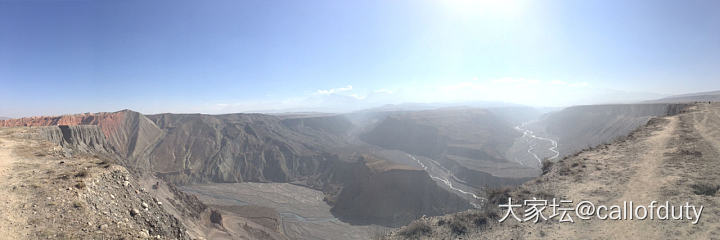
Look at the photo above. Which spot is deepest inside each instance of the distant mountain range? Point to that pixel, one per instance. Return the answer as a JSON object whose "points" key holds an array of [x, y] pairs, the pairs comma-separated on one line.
{"points": [[713, 96]]}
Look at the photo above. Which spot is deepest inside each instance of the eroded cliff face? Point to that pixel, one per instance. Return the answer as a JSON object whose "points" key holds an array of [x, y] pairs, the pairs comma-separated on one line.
{"points": [[394, 198], [109, 122], [126, 133], [190, 148], [86, 138], [374, 191], [196, 148], [237, 148]]}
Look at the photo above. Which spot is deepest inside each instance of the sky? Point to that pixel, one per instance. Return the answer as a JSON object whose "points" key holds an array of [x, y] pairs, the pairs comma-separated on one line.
{"points": [[59, 57]]}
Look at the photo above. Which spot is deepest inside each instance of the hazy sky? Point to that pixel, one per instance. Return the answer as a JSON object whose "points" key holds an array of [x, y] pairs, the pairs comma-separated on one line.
{"points": [[229, 56]]}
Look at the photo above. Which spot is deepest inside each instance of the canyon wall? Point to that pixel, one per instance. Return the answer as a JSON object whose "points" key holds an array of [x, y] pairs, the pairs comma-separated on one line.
{"points": [[313, 151], [582, 127]]}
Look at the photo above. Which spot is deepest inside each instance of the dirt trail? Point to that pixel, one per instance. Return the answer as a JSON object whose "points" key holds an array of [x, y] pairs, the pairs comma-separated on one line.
{"points": [[11, 222], [663, 161], [708, 129], [625, 171], [644, 185]]}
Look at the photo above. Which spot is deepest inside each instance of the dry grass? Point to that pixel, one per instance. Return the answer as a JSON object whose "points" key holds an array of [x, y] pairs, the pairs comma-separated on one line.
{"points": [[416, 229], [498, 195], [462, 223]]}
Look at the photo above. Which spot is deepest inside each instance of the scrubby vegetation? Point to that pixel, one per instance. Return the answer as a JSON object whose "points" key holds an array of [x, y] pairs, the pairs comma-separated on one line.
{"points": [[705, 189], [546, 166], [498, 195], [416, 229], [82, 173]]}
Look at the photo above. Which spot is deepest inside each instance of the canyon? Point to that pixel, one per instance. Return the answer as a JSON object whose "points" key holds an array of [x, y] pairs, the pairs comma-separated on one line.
{"points": [[375, 170]]}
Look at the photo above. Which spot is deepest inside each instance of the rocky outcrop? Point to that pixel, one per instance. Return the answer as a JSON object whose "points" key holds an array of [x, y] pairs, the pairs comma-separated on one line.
{"points": [[86, 138], [63, 192]]}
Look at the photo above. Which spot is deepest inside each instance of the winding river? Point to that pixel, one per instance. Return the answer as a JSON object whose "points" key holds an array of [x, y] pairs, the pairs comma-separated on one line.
{"points": [[530, 134], [445, 180]]}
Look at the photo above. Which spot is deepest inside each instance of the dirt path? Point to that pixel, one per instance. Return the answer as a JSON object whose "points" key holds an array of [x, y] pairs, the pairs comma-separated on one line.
{"points": [[11, 222], [708, 129], [644, 185], [625, 171], [661, 162]]}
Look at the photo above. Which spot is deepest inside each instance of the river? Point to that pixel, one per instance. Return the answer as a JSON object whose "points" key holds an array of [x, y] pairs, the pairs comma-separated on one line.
{"points": [[446, 180], [531, 135]]}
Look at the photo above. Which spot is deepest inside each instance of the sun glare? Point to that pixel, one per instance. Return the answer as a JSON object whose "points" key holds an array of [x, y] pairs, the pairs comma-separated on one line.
{"points": [[497, 8]]}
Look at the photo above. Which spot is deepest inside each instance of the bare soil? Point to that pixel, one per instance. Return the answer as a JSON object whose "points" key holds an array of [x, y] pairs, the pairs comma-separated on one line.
{"points": [[49, 192]]}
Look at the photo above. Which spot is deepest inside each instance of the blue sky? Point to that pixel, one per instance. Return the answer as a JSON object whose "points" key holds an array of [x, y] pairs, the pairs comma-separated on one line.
{"points": [[233, 56]]}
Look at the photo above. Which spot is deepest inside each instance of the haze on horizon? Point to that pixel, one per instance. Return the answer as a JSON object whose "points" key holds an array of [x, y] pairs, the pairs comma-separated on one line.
{"points": [[60, 57]]}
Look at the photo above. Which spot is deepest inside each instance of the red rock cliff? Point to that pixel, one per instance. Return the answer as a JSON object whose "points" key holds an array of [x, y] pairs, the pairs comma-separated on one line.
{"points": [[108, 122]]}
